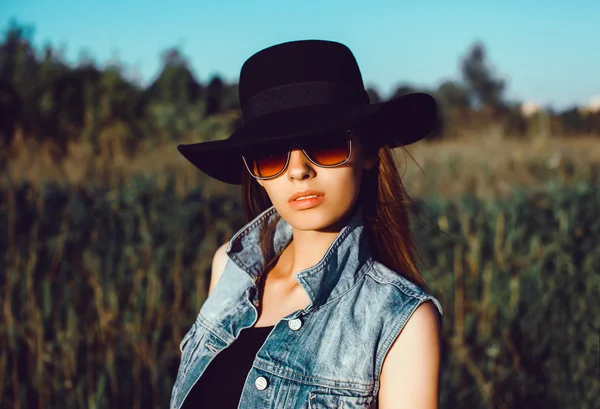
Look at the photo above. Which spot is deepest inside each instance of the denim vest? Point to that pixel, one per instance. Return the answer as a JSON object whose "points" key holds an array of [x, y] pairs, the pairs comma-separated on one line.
{"points": [[328, 355]]}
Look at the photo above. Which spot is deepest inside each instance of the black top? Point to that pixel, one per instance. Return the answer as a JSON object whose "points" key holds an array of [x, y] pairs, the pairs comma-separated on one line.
{"points": [[220, 386]]}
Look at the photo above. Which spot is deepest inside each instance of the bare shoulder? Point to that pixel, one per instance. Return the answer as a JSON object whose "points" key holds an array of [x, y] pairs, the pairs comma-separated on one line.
{"points": [[411, 369], [218, 266]]}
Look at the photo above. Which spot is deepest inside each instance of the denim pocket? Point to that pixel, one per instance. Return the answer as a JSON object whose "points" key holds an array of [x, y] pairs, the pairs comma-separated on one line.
{"points": [[320, 400]]}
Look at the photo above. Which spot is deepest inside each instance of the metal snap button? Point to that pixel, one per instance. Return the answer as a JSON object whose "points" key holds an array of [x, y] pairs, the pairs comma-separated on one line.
{"points": [[261, 383], [295, 324]]}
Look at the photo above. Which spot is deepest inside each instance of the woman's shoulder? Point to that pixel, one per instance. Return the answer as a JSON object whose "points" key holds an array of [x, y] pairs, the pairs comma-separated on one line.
{"points": [[398, 289]]}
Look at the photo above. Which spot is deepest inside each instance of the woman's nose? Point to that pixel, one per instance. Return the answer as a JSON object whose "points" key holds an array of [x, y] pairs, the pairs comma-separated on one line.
{"points": [[299, 167]]}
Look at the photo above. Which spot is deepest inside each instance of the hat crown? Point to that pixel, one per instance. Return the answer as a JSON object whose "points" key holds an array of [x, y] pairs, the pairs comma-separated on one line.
{"points": [[298, 62]]}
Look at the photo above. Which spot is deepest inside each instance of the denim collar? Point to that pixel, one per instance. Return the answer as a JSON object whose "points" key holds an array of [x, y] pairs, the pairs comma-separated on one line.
{"points": [[343, 264]]}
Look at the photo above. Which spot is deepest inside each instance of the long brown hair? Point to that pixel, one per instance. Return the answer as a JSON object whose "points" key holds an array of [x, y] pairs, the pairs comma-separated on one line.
{"points": [[385, 211]]}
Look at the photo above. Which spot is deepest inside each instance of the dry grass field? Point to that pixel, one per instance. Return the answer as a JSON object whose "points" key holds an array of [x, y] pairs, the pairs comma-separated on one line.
{"points": [[494, 166], [482, 165]]}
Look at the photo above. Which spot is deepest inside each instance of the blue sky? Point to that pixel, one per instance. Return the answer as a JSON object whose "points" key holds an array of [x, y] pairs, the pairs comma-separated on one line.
{"points": [[548, 50]]}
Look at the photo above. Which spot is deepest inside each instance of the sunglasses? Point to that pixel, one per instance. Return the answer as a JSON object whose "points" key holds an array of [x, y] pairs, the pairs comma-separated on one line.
{"points": [[327, 150]]}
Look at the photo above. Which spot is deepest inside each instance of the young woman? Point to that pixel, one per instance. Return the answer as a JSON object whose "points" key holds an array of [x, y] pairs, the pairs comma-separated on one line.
{"points": [[317, 302]]}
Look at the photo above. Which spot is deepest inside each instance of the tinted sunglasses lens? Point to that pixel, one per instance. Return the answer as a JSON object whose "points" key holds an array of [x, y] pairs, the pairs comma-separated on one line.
{"points": [[330, 148], [267, 164]]}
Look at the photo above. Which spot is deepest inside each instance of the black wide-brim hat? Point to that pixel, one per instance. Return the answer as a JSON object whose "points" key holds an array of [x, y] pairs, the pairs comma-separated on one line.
{"points": [[298, 90]]}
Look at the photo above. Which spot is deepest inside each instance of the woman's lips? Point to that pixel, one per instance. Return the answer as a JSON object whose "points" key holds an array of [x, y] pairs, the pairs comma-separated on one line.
{"points": [[304, 193], [309, 201]]}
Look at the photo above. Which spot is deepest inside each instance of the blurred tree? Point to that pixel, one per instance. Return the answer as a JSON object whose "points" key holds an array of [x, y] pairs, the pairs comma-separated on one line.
{"points": [[176, 84], [121, 105], [215, 92], [594, 122], [63, 106], [454, 104], [373, 95], [402, 89], [453, 94], [19, 67], [230, 99], [484, 87], [10, 112], [573, 121], [173, 98]]}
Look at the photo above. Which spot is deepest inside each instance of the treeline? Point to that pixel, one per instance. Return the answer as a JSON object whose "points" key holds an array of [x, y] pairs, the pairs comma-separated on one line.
{"points": [[44, 98]]}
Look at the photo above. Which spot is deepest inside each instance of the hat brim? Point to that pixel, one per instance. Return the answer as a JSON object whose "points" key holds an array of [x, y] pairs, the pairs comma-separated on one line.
{"points": [[397, 122]]}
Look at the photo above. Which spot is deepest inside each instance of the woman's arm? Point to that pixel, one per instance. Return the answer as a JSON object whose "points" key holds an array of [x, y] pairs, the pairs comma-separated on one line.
{"points": [[411, 369]]}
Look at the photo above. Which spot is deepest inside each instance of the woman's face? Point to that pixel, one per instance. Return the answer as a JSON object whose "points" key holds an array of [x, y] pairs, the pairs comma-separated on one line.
{"points": [[339, 187]]}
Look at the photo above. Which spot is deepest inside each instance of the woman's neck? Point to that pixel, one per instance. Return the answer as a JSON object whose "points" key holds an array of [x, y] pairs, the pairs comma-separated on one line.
{"points": [[305, 250]]}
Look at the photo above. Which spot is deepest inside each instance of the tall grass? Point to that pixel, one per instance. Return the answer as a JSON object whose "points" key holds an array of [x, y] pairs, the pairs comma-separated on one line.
{"points": [[97, 287], [99, 284]]}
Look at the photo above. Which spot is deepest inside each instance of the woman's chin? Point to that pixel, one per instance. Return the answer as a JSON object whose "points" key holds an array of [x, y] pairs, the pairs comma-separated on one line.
{"points": [[315, 219]]}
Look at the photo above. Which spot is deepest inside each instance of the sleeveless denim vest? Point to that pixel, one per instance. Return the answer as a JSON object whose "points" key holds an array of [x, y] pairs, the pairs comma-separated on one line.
{"points": [[328, 355]]}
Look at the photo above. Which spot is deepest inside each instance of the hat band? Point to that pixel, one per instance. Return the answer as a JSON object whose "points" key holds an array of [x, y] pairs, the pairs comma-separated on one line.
{"points": [[301, 94]]}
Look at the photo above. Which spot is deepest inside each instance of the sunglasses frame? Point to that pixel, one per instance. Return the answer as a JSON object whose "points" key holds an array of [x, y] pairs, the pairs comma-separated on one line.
{"points": [[349, 134]]}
